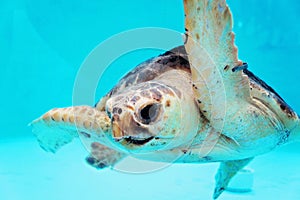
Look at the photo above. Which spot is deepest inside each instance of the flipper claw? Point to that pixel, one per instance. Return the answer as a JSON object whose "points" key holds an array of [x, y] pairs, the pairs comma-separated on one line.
{"points": [[218, 192]]}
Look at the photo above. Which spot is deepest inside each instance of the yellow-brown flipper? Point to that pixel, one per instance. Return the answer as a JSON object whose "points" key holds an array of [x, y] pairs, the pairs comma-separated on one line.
{"points": [[218, 82], [60, 126]]}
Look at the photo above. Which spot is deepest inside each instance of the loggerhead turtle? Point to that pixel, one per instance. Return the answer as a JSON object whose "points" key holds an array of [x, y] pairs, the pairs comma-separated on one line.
{"points": [[230, 115]]}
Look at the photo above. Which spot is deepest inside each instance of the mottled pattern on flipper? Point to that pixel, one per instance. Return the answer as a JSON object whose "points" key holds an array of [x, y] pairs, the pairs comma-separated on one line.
{"points": [[60, 126], [102, 156], [213, 55]]}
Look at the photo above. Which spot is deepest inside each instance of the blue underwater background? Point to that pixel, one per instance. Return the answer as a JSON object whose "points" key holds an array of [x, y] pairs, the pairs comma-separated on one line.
{"points": [[42, 46]]}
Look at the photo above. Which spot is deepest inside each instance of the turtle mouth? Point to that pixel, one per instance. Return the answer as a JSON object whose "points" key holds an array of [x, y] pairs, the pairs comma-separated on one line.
{"points": [[137, 141]]}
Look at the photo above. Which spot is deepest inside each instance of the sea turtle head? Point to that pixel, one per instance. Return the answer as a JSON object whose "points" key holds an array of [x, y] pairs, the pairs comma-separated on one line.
{"points": [[147, 117]]}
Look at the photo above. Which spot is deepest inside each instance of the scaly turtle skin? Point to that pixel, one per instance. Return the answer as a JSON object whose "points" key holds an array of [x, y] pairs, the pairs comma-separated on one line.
{"points": [[196, 103]]}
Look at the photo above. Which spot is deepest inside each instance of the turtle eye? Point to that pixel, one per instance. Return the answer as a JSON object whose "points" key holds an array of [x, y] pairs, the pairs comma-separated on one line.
{"points": [[149, 113]]}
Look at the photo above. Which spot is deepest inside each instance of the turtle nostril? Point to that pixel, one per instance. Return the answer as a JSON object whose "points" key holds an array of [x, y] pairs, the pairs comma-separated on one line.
{"points": [[117, 110]]}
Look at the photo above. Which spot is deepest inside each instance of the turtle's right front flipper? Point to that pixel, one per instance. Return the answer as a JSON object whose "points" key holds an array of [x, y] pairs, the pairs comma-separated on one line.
{"points": [[60, 126]]}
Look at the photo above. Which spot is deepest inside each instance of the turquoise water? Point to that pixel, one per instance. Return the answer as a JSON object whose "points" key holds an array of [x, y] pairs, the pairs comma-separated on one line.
{"points": [[44, 43]]}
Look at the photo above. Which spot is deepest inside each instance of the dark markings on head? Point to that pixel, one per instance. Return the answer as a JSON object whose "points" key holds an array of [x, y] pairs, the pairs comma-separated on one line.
{"points": [[145, 93], [164, 89], [135, 98], [156, 94], [168, 103], [130, 107]]}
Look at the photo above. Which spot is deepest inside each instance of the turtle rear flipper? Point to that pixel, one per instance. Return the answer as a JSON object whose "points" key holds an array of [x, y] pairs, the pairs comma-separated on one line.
{"points": [[226, 171], [60, 126]]}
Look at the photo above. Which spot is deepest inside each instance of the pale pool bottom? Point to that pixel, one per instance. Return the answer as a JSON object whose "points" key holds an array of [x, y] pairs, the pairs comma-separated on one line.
{"points": [[29, 173]]}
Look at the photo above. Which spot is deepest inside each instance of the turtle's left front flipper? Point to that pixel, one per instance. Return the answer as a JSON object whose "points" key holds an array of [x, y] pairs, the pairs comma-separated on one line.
{"points": [[226, 171]]}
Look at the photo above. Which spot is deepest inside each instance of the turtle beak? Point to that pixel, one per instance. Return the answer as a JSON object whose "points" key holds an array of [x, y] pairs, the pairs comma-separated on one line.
{"points": [[117, 132]]}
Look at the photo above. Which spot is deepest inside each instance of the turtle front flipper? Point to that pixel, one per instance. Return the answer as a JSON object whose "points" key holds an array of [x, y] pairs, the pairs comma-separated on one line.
{"points": [[218, 82], [60, 126], [226, 171], [102, 156]]}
